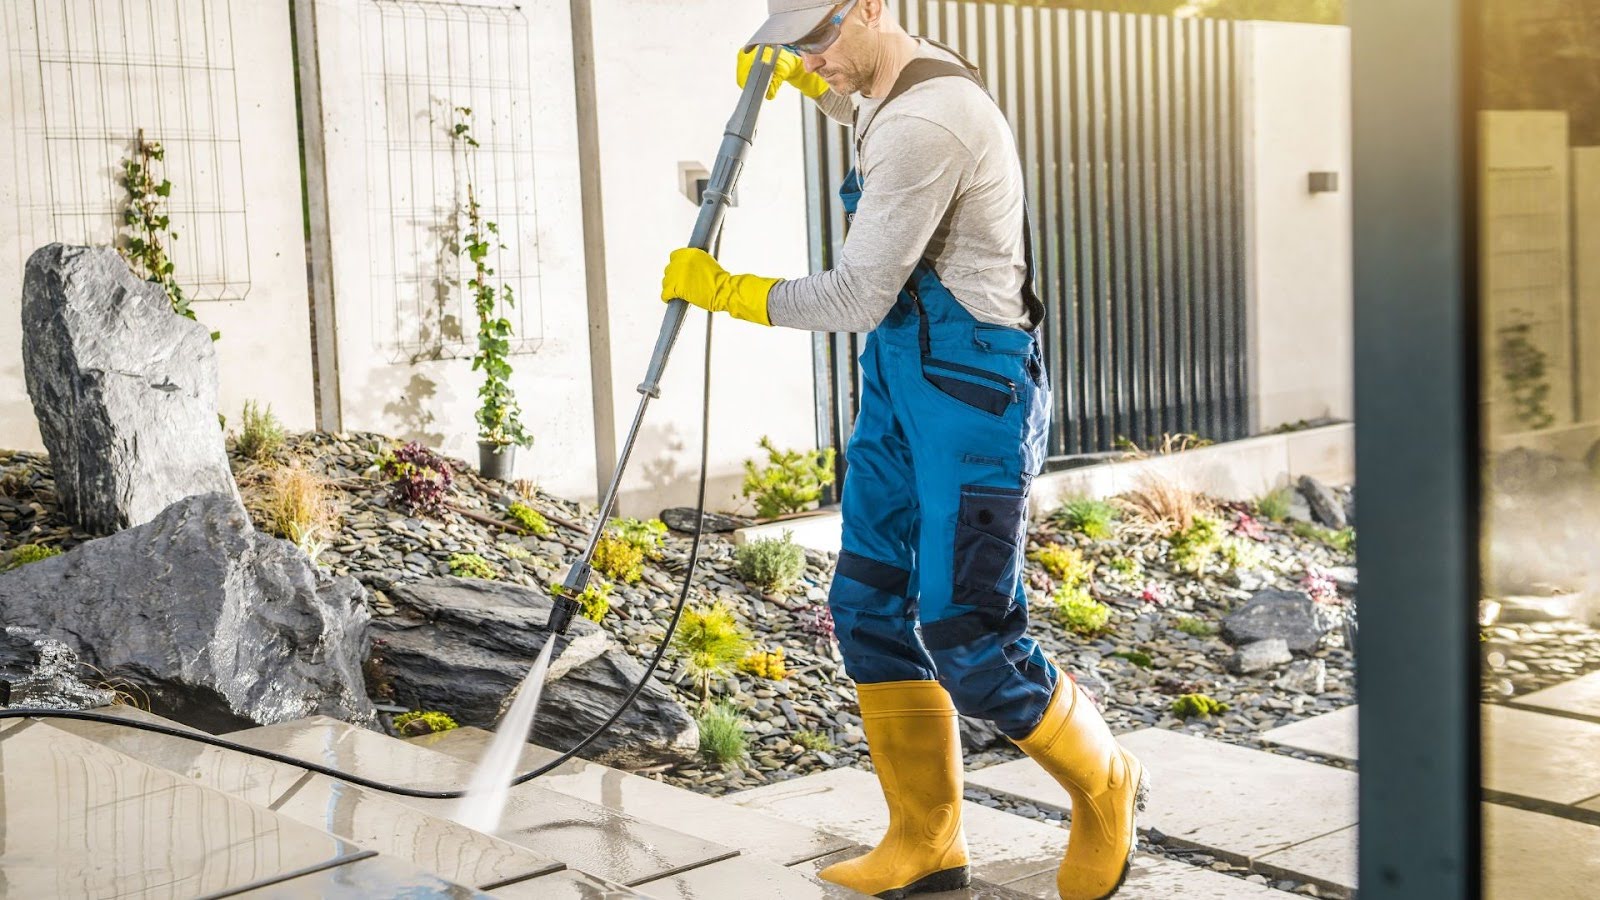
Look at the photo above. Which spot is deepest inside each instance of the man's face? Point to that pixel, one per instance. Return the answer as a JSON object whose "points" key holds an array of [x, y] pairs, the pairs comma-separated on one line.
{"points": [[847, 64]]}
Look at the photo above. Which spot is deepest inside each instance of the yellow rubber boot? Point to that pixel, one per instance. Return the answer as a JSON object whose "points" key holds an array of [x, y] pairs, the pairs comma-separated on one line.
{"points": [[1106, 783], [916, 749]]}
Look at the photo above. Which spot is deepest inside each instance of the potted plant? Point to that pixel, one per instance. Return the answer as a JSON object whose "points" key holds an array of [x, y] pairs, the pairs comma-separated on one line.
{"points": [[500, 429]]}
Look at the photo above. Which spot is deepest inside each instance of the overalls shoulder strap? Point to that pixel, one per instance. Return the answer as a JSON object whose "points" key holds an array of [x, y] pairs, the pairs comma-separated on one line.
{"points": [[923, 69]]}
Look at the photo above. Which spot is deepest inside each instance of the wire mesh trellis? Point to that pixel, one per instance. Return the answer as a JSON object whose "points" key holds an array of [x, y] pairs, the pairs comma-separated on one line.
{"points": [[86, 77], [423, 59]]}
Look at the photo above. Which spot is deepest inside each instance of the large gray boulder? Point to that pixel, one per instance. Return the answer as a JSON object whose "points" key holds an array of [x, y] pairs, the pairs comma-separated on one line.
{"points": [[464, 645], [221, 626], [1292, 616], [125, 389]]}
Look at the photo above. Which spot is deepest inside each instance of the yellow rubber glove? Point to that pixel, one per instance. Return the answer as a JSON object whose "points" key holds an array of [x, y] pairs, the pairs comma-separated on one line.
{"points": [[693, 275], [789, 68]]}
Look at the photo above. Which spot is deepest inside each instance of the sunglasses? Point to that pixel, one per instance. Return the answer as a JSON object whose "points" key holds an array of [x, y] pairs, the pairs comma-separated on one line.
{"points": [[823, 36]]}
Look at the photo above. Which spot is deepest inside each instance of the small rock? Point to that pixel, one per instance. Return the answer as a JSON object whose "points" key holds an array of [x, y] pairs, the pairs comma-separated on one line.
{"points": [[681, 518], [1260, 656], [1306, 676]]}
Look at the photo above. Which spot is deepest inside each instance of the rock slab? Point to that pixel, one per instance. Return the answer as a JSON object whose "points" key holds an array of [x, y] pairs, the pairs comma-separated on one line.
{"points": [[465, 645], [1326, 508], [1261, 656], [125, 390], [221, 626], [1291, 616]]}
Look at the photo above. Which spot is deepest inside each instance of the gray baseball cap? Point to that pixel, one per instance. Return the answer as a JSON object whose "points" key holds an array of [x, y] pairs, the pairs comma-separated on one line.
{"points": [[790, 20]]}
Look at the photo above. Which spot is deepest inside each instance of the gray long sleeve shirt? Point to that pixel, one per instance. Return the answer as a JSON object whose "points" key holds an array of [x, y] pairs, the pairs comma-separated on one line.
{"points": [[940, 181]]}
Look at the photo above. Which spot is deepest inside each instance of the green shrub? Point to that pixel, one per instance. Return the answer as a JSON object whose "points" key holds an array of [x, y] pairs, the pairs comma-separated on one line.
{"points": [[649, 535], [772, 564], [765, 664], [1196, 627], [1275, 505], [260, 432], [1191, 705], [1138, 658], [722, 737], [1342, 540], [791, 481], [417, 722], [815, 741], [529, 518], [1194, 546], [1091, 518], [1065, 564], [471, 565], [28, 553], [1126, 566], [711, 643], [618, 560], [1080, 613]]}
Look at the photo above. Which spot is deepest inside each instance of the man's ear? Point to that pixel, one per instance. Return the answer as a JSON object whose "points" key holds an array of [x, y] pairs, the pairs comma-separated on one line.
{"points": [[872, 10]]}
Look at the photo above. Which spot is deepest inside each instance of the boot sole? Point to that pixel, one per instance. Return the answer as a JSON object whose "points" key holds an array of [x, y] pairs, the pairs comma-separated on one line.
{"points": [[947, 880], [1141, 799]]}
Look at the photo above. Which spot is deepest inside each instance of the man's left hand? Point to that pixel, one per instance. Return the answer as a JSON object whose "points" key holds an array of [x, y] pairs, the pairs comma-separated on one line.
{"points": [[695, 276]]}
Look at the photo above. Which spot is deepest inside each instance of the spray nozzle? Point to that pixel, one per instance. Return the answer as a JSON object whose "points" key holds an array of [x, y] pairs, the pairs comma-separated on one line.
{"points": [[566, 598]]}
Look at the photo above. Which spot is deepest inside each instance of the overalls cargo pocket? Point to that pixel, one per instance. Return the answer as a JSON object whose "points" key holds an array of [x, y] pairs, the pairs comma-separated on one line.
{"points": [[990, 525]]}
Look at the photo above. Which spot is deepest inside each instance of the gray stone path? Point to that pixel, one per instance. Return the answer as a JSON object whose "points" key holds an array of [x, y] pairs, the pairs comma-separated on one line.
{"points": [[1014, 852], [1332, 735]]}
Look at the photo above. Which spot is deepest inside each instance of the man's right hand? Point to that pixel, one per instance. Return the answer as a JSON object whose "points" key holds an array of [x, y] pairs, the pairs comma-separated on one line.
{"points": [[789, 68]]}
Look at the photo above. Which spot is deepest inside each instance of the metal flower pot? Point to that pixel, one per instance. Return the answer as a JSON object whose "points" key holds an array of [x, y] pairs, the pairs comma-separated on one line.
{"points": [[496, 460]]}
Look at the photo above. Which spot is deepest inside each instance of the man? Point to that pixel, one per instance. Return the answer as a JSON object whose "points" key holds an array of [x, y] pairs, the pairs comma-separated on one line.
{"points": [[928, 598]]}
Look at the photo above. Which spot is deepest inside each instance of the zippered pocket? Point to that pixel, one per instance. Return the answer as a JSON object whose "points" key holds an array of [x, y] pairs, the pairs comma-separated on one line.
{"points": [[977, 388]]}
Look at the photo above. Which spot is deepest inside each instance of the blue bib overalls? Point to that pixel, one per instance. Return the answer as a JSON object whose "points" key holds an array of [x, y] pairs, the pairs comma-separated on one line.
{"points": [[950, 434]]}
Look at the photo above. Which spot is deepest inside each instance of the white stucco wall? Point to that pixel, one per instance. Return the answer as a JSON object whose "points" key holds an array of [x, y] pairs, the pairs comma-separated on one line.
{"points": [[665, 89], [390, 73], [1296, 111], [79, 83]]}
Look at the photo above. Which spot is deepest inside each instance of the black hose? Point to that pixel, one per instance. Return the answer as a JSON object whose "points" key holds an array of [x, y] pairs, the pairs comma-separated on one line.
{"points": [[420, 793]]}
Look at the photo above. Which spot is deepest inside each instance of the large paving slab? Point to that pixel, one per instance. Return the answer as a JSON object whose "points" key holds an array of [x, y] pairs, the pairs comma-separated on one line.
{"points": [[1154, 877], [745, 876], [1542, 756], [363, 879], [1330, 860], [747, 830], [1331, 734], [565, 885], [587, 837], [1578, 697], [82, 820], [1233, 801], [369, 819], [1528, 854], [849, 803]]}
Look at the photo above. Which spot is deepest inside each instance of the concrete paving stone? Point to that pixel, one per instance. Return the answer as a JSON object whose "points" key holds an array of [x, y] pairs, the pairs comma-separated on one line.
{"points": [[745, 876], [251, 778], [1580, 697], [367, 818], [1539, 755], [83, 820], [1154, 877], [977, 890], [1528, 854], [567, 884], [849, 803], [682, 810], [1330, 860], [585, 836], [1231, 800], [1330, 734], [364, 879]]}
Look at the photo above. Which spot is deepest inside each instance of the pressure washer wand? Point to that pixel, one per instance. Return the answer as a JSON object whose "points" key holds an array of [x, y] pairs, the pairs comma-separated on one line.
{"points": [[736, 140]]}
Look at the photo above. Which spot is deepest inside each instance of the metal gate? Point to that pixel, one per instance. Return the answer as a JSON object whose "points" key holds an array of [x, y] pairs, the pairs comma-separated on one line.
{"points": [[1128, 129]]}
